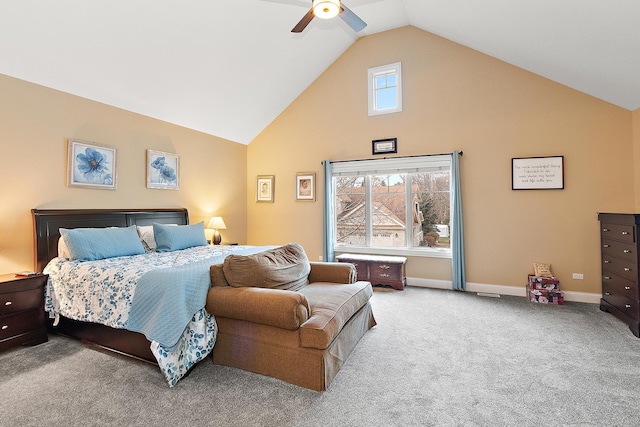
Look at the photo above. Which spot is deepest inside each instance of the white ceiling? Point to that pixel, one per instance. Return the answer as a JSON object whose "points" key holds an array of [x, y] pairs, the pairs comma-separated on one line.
{"points": [[230, 67]]}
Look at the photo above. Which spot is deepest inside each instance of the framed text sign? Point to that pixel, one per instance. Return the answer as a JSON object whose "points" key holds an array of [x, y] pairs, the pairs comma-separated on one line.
{"points": [[537, 173]]}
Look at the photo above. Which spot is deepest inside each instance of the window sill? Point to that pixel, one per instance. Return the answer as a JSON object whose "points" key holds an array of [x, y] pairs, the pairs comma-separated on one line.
{"points": [[426, 253]]}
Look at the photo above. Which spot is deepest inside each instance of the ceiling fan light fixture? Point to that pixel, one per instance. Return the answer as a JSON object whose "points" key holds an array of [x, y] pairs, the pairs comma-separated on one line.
{"points": [[326, 9]]}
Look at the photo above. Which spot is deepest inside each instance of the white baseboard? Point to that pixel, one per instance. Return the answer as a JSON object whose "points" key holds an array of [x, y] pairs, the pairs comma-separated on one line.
{"points": [[500, 289]]}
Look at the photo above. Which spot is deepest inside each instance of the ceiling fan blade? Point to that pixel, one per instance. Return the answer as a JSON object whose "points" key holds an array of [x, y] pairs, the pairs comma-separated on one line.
{"points": [[300, 26], [351, 18]]}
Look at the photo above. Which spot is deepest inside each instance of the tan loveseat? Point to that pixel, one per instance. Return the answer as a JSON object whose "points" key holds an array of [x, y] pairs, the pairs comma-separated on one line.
{"points": [[282, 316]]}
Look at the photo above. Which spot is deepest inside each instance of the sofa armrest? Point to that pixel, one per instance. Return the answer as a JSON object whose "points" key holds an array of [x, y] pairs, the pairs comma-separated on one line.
{"points": [[332, 272], [273, 307]]}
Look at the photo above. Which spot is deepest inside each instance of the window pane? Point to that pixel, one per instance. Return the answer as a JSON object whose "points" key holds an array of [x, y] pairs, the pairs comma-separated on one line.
{"points": [[350, 210], [386, 98], [389, 210], [381, 81], [431, 196], [391, 79]]}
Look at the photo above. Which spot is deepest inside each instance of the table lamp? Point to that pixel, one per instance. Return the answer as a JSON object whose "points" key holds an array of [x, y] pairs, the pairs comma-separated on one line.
{"points": [[216, 224]]}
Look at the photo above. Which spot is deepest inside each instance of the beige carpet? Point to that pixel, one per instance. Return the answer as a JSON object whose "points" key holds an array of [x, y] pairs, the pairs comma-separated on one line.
{"points": [[436, 358]]}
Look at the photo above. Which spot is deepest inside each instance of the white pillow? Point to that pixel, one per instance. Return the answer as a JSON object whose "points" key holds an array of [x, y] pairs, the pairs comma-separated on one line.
{"points": [[146, 235], [63, 250]]}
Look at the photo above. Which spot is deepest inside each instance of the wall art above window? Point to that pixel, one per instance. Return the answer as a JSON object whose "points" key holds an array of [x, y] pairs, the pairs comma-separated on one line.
{"points": [[163, 170], [91, 165], [384, 146]]}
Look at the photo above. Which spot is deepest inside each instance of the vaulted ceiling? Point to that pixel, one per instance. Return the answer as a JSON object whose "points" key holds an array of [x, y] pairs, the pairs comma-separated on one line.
{"points": [[229, 68]]}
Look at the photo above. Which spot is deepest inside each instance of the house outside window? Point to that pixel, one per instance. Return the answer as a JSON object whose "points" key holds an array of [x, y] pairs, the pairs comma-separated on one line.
{"points": [[385, 89], [397, 205]]}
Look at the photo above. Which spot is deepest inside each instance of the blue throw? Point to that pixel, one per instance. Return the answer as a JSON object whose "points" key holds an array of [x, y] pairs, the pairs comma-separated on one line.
{"points": [[166, 299]]}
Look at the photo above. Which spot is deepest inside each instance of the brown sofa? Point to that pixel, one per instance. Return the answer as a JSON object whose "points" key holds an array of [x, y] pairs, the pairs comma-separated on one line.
{"points": [[301, 336]]}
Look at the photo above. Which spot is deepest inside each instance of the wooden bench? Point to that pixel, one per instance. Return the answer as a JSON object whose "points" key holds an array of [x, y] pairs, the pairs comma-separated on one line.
{"points": [[379, 270]]}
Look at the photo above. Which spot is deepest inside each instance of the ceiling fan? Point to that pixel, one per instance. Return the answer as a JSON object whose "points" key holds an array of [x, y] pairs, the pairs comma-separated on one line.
{"points": [[327, 9]]}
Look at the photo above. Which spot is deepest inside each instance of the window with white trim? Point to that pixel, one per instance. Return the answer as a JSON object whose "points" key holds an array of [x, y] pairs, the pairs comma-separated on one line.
{"points": [[396, 205], [385, 89]]}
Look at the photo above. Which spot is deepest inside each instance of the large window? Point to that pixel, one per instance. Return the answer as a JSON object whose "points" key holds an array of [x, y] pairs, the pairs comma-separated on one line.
{"points": [[393, 205]]}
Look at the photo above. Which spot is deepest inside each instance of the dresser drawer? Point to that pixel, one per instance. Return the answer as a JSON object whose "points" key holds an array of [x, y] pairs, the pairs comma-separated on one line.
{"points": [[626, 305], [21, 300], [617, 285], [19, 323], [620, 249], [386, 271], [623, 268], [625, 233]]}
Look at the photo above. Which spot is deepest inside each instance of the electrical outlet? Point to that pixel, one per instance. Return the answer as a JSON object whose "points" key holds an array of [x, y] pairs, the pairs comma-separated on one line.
{"points": [[320, 258], [578, 276]]}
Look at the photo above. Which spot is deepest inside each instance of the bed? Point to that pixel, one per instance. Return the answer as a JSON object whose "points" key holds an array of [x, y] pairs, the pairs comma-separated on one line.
{"points": [[111, 318]]}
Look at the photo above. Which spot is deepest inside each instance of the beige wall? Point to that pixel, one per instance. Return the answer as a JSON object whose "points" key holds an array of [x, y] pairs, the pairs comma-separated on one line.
{"points": [[454, 98], [36, 123], [457, 98]]}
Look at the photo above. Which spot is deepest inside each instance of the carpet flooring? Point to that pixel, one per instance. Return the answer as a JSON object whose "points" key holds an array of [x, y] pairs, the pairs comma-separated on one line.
{"points": [[436, 358]]}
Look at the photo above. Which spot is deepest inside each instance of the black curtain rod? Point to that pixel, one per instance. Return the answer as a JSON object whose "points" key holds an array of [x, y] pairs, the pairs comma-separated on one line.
{"points": [[399, 157]]}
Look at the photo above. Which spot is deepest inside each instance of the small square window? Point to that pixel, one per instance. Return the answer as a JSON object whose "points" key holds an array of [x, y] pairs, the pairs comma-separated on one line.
{"points": [[385, 89]]}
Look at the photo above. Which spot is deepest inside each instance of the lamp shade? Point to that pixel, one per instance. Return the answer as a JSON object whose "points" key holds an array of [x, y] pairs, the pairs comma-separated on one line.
{"points": [[217, 223], [326, 9]]}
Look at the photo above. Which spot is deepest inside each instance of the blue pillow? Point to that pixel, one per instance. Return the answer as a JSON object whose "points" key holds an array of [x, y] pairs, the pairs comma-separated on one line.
{"points": [[90, 244], [172, 238]]}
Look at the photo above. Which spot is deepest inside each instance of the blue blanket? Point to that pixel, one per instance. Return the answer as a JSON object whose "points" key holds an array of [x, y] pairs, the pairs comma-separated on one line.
{"points": [[166, 299]]}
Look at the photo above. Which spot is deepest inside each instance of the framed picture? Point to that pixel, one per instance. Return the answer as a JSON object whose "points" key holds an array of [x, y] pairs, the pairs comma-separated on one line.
{"points": [[265, 188], [537, 173], [91, 165], [384, 146], [163, 170], [306, 186]]}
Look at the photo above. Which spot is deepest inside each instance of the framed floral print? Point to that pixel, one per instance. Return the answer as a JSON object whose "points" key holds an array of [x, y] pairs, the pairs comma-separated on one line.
{"points": [[163, 170], [91, 165]]}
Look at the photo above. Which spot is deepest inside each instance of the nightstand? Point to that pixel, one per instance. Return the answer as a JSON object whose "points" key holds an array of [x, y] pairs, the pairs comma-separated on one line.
{"points": [[22, 316]]}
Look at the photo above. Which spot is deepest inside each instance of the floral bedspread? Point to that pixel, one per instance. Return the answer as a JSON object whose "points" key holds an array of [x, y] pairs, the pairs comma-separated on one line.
{"points": [[102, 291]]}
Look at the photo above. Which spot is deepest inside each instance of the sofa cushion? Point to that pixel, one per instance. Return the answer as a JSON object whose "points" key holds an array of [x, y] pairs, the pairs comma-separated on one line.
{"points": [[217, 276], [286, 267], [332, 305]]}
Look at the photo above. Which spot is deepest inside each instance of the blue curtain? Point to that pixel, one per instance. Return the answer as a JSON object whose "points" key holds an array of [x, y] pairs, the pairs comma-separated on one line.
{"points": [[327, 227], [458, 278]]}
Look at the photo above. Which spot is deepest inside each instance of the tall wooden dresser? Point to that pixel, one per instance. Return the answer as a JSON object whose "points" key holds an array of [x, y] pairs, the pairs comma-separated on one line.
{"points": [[620, 245]]}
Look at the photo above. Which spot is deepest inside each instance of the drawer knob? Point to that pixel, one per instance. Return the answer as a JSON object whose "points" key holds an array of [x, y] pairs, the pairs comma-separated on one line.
{"points": [[627, 288], [8, 303], [606, 246], [608, 293], [607, 278], [604, 230], [627, 251], [606, 261], [627, 269], [624, 233], [385, 266], [384, 275], [5, 327], [627, 305]]}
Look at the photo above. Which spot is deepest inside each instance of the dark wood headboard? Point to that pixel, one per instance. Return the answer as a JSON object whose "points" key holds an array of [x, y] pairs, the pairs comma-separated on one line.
{"points": [[47, 224]]}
